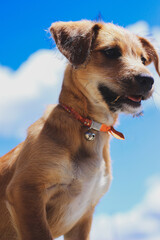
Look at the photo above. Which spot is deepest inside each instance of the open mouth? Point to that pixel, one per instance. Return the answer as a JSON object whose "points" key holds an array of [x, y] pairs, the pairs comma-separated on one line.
{"points": [[134, 100], [116, 101]]}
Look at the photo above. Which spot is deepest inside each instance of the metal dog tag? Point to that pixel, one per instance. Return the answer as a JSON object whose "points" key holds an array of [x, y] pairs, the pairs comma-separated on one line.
{"points": [[89, 136]]}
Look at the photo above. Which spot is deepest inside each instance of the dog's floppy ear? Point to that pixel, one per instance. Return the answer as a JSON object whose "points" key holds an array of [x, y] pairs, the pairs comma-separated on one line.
{"points": [[152, 55], [75, 40]]}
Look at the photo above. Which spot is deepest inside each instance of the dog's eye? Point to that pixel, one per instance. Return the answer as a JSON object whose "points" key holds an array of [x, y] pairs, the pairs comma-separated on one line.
{"points": [[143, 59], [112, 53]]}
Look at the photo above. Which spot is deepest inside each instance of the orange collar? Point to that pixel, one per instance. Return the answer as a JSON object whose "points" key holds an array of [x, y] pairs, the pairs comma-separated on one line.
{"points": [[94, 125]]}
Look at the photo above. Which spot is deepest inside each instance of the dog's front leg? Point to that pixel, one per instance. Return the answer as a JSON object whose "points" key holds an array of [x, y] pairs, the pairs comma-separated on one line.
{"points": [[26, 205], [81, 230]]}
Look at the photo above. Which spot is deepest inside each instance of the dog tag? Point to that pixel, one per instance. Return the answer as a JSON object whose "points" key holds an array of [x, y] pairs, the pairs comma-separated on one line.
{"points": [[89, 136]]}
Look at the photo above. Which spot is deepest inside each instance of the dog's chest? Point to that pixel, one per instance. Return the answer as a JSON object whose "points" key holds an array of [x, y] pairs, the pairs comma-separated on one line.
{"points": [[92, 189]]}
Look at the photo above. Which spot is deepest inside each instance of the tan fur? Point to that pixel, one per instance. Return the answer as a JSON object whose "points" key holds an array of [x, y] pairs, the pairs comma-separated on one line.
{"points": [[51, 183]]}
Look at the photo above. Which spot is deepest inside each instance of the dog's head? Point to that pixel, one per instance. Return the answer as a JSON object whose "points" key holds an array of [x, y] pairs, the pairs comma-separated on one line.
{"points": [[109, 61]]}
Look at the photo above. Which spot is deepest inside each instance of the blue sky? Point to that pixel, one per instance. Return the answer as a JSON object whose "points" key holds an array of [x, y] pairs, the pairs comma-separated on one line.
{"points": [[23, 25]]}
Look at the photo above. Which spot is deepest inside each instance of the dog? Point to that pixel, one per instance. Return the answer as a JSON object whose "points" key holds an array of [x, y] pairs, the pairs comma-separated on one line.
{"points": [[51, 182]]}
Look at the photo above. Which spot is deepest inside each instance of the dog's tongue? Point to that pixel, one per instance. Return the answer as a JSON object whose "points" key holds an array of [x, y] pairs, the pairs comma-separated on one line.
{"points": [[135, 98]]}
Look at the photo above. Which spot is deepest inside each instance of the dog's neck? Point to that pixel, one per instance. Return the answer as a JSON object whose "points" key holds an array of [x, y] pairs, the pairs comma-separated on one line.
{"points": [[74, 95]]}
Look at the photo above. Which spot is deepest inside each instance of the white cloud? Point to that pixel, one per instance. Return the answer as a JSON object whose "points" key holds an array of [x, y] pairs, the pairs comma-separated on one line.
{"points": [[25, 93], [141, 28], [142, 222]]}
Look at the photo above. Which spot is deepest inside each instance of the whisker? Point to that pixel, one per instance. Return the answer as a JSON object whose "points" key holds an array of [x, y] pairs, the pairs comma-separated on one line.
{"points": [[116, 99], [157, 93], [158, 108]]}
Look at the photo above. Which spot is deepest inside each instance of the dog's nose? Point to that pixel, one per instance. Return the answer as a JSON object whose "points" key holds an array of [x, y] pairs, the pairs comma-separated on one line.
{"points": [[145, 81]]}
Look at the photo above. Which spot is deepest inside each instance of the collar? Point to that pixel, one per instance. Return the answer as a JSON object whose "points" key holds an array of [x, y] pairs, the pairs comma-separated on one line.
{"points": [[92, 124]]}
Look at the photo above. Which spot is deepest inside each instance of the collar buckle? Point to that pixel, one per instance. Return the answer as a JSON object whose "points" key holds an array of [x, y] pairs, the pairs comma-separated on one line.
{"points": [[96, 126]]}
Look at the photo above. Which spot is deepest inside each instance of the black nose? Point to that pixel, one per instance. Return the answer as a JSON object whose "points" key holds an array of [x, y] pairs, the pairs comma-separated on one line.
{"points": [[145, 81]]}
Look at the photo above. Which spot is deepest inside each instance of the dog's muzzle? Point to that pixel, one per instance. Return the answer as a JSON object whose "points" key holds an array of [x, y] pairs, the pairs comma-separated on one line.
{"points": [[132, 91]]}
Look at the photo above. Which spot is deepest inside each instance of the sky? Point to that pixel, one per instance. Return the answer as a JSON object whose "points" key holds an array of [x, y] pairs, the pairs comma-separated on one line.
{"points": [[31, 73]]}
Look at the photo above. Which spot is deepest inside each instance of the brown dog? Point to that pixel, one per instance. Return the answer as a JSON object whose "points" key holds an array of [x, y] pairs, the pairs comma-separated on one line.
{"points": [[51, 183]]}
